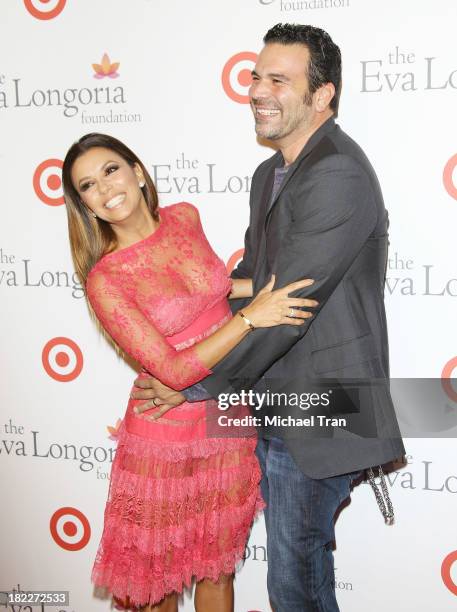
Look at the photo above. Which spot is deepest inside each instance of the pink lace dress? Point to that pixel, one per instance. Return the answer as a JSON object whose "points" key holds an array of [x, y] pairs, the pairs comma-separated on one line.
{"points": [[180, 503]]}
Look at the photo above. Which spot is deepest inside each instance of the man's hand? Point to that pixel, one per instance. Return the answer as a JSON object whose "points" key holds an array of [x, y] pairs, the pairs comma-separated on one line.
{"points": [[157, 395]]}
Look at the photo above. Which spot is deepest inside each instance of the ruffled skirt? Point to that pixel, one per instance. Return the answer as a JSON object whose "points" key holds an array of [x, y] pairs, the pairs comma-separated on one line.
{"points": [[175, 511]]}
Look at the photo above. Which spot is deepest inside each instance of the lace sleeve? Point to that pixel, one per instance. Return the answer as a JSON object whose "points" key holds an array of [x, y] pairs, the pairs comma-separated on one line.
{"points": [[138, 337]]}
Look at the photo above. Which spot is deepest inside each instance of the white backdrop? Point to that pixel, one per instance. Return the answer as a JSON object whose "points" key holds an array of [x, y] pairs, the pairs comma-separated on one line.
{"points": [[177, 97]]}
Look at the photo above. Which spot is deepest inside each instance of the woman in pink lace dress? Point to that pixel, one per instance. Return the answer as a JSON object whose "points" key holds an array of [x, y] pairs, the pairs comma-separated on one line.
{"points": [[180, 503]]}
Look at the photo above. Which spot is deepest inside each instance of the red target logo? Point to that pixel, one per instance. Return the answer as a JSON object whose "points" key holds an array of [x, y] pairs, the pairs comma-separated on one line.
{"points": [[45, 9], [47, 182], [446, 379], [446, 572], [448, 177], [62, 359], [236, 76], [69, 528], [234, 260]]}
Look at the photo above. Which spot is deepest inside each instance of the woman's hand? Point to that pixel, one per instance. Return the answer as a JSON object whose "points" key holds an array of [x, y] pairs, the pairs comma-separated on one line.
{"points": [[158, 396], [270, 308]]}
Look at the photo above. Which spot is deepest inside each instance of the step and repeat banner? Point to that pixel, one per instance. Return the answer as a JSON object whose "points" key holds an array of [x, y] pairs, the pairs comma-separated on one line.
{"points": [[170, 78]]}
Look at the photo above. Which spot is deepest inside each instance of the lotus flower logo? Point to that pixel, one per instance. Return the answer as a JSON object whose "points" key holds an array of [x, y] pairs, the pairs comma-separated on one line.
{"points": [[114, 431], [106, 68]]}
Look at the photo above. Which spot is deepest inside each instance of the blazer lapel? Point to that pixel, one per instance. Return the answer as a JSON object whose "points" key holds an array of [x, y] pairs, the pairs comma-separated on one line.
{"points": [[267, 203], [277, 162]]}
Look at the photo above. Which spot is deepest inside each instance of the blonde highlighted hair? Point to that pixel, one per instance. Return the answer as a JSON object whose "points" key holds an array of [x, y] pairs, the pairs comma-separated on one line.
{"points": [[90, 237]]}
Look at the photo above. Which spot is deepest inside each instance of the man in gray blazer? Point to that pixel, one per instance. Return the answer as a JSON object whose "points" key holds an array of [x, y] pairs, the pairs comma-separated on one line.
{"points": [[316, 212]]}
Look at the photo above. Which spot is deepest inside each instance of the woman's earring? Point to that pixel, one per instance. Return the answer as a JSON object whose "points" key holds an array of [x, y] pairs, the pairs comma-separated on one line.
{"points": [[93, 214], [142, 184]]}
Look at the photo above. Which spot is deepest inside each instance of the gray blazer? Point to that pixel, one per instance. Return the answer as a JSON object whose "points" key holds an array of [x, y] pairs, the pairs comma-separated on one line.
{"points": [[327, 222]]}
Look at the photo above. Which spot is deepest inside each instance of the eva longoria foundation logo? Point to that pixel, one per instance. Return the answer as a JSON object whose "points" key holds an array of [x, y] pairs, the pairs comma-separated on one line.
{"points": [[114, 431], [401, 71], [106, 68], [16, 272], [306, 5], [421, 476], [257, 553], [407, 278], [71, 101], [404, 277], [16, 442], [187, 175]]}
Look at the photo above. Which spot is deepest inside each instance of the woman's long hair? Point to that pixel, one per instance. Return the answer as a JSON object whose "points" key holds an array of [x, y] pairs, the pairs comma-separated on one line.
{"points": [[90, 237]]}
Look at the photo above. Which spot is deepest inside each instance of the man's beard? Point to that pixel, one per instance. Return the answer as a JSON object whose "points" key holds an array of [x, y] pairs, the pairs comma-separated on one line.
{"points": [[268, 132], [276, 132]]}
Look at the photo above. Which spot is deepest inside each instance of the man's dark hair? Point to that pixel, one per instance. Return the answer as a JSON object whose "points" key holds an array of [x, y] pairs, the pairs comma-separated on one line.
{"points": [[325, 57]]}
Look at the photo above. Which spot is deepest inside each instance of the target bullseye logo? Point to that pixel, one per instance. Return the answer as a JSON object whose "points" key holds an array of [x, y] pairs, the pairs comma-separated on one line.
{"points": [[69, 528], [47, 182], [236, 76], [45, 9], [234, 259], [62, 359], [448, 174], [446, 571], [446, 379]]}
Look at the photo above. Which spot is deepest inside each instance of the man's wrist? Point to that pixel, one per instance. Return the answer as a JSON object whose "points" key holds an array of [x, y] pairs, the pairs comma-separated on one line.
{"points": [[196, 393]]}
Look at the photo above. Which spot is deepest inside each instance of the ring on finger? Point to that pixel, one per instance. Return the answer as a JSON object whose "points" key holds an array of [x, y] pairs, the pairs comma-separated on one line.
{"points": [[292, 313], [154, 401]]}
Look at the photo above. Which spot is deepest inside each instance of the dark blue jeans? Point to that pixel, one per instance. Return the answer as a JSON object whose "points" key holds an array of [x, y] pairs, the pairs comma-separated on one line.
{"points": [[299, 520]]}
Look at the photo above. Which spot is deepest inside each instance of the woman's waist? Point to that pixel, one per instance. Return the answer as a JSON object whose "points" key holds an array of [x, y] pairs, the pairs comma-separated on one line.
{"points": [[186, 421], [204, 325]]}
